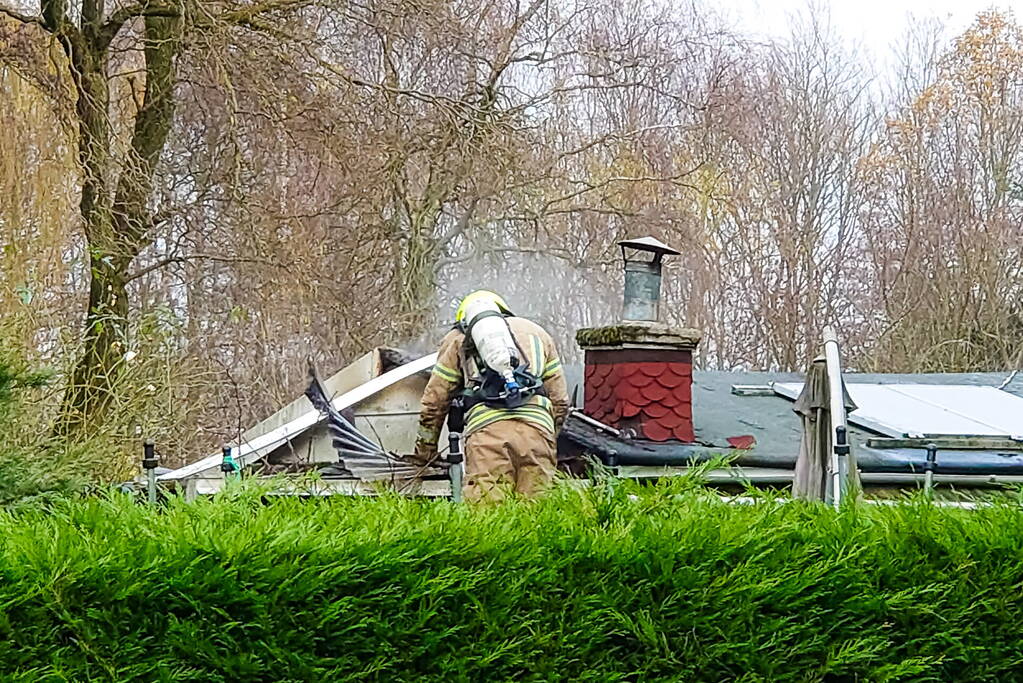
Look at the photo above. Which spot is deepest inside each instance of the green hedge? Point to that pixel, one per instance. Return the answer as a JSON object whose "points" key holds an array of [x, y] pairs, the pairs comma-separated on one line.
{"points": [[584, 586]]}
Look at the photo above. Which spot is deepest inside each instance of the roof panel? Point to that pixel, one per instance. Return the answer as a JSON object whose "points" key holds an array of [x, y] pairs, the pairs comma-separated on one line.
{"points": [[901, 410]]}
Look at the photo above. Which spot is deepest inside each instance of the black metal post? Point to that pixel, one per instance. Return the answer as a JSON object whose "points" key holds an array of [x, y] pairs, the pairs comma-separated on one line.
{"points": [[149, 463], [227, 464], [842, 451], [456, 423], [929, 467]]}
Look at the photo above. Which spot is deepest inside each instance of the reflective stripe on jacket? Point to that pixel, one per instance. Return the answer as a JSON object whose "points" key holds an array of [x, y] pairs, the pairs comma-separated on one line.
{"points": [[451, 370]]}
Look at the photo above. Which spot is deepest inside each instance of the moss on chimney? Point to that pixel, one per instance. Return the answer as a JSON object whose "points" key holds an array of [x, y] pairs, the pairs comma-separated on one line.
{"points": [[638, 333]]}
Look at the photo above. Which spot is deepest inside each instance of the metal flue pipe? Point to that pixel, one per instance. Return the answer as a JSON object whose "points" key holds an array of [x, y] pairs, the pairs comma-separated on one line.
{"points": [[643, 277], [839, 422]]}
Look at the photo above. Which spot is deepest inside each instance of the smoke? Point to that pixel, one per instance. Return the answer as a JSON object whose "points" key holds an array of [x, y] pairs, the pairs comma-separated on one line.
{"points": [[424, 343], [559, 295]]}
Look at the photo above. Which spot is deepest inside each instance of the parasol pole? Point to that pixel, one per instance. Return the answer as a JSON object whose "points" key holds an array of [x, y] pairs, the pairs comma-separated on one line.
{"points": [[839, 423]]}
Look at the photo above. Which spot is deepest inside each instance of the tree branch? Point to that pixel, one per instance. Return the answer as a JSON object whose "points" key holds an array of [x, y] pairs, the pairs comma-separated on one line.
{"points": [[170, 260], [152, 125], [472, 253], [23, 18], [54, 15], [460, 226], [259, 9], [125, 14]]}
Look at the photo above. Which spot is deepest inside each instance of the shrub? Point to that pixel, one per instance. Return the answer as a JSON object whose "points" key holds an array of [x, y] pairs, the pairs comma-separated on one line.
{"points": [[617, 584], [33, 466], [39, 462]]}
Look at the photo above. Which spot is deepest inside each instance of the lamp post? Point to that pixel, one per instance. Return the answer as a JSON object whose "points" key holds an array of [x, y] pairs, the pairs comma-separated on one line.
{"points": [[643, 261]]}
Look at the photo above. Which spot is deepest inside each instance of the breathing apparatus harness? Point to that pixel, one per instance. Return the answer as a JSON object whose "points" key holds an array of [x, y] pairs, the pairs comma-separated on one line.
{"points": [[489, 387]]}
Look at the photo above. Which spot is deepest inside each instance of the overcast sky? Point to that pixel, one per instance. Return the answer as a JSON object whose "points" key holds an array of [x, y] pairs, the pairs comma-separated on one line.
{"points": [[872, 25]]}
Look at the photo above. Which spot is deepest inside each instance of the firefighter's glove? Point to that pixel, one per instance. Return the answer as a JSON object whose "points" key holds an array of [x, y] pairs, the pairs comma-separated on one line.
{"points": [[425, 453]]}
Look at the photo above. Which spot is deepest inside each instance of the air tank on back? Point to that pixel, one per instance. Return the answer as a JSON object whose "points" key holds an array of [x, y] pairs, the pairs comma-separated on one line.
{"points": [[493, 339]]}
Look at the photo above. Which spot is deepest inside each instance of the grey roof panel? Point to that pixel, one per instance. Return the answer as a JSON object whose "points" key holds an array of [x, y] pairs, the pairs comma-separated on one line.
{"points": [[901, 410], [719, 414]]}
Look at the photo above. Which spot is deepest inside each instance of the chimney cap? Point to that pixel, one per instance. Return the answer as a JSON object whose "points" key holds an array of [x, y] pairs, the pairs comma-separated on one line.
{"points": [[650, 244]]}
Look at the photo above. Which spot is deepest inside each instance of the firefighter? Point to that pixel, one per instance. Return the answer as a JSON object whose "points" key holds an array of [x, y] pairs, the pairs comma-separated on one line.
{"points": [[508, 375]]}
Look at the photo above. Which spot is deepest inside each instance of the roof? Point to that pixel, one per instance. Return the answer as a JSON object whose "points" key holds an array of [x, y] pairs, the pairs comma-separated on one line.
{"points": [[718, 413], [929, 410], [721, 415], [252, 450]]}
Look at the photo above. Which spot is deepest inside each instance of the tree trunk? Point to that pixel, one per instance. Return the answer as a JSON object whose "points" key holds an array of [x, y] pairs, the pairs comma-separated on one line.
{"points": [[117, 218], [94, 378], [419, 259], [418, 283]]}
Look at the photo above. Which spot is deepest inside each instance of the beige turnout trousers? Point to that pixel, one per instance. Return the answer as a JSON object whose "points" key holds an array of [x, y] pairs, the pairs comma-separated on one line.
{"points": [[506, 456]]}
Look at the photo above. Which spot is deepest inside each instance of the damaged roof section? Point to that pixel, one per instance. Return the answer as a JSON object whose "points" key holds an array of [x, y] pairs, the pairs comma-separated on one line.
{"points": [[379, 398]]}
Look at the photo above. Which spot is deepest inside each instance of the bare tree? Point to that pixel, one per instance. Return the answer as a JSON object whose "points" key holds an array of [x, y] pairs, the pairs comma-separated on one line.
{"points": [[122, 122], [942, 220]]}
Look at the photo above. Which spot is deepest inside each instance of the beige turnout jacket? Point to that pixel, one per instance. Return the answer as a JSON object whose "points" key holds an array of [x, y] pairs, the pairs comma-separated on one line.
{"points": [[453, 369]]}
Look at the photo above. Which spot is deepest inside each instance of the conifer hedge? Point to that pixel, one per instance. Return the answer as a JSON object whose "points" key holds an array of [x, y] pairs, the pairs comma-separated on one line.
{"points": [[610, 584]]}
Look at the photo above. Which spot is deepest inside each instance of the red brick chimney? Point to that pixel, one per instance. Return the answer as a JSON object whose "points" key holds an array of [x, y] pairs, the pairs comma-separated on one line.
{"points": [[639, 377], [639, 373]]}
